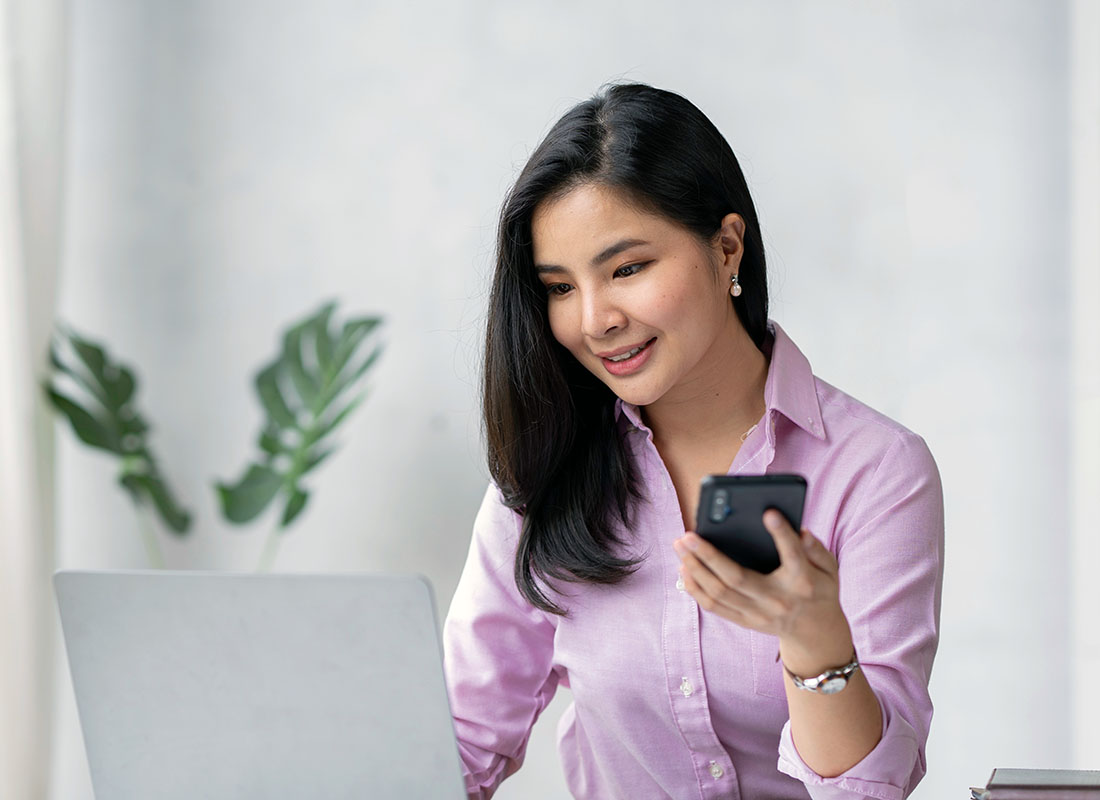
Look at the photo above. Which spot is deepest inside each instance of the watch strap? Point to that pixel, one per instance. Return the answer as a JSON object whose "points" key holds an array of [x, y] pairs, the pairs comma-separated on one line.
{"points": [[830, 681]]}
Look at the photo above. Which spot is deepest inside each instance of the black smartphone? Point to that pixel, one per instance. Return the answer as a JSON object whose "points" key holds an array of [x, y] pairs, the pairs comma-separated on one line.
{"points": [[731, 514]]}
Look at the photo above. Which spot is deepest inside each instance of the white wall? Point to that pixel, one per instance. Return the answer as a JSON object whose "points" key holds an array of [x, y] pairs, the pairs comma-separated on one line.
{"points": [[1084, 379], [233, 164]]}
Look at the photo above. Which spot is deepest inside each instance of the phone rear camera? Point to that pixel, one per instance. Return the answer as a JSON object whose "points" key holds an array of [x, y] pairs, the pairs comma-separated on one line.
{"points": [[719, 506]]}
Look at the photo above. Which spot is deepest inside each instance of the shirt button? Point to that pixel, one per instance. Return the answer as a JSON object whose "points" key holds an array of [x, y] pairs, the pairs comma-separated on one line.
{"points": [[680, 584], [687, 689], [716, 771]]}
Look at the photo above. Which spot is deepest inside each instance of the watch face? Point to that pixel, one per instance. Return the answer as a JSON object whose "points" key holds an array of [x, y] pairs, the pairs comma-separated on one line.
{"points": [[833, 685]]}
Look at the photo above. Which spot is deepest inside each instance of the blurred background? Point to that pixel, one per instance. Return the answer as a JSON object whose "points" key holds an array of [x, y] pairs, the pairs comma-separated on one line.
{"points": [[182, 179]]}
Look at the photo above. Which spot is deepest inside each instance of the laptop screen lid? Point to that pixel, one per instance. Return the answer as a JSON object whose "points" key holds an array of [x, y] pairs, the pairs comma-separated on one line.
{"points": [[221, 685]]}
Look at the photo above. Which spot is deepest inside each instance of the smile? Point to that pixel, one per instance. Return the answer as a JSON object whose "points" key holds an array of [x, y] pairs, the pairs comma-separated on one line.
{"points": [[629, 353], [628, 361]]}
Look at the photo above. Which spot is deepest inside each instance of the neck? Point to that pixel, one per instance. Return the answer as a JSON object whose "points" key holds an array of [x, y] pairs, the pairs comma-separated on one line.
{"points": [[722, 400]]}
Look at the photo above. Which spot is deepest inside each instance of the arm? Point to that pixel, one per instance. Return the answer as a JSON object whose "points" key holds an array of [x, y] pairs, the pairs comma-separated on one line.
{"points": [[832, 732], [800, 604], [498, 653], [883, 595]]}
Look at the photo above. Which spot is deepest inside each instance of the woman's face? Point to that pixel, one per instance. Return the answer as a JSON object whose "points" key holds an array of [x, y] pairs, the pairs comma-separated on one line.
{"points": [[636, 298]]}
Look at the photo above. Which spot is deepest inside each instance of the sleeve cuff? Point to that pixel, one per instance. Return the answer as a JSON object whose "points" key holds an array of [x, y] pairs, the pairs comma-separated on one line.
{"points": [[883, 773]]}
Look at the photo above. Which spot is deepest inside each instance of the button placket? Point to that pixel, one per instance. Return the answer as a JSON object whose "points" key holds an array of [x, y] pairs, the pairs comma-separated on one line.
{"points": [[690, 711]]}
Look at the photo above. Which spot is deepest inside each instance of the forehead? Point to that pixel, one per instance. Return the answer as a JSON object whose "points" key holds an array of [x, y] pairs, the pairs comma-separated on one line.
{"points": [[586, 219]]}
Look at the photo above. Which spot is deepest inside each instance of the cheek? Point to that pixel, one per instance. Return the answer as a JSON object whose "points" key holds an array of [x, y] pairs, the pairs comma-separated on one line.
{"points": [[561, 324], [692, 311], [671, 308]]}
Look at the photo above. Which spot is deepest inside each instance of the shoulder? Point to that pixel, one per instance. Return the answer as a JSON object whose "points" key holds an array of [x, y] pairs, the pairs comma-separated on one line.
{"points": [[868, 434], [497, 527], [869, 467], [876, 480], [851, 434]]}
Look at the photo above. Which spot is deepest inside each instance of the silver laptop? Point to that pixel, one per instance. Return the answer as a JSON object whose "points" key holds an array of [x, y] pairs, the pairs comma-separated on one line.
{"points": [[217, 685]]}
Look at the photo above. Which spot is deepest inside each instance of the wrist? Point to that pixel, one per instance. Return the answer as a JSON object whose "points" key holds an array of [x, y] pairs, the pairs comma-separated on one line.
{"points": [[829, 647]]}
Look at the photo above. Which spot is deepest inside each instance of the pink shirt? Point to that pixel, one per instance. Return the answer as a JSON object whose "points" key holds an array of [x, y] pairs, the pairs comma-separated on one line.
{"points": [[671, 701]]}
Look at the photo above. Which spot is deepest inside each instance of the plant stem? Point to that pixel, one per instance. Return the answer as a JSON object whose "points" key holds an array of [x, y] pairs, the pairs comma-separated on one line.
{"points": [[271, 547], [149, 536]]}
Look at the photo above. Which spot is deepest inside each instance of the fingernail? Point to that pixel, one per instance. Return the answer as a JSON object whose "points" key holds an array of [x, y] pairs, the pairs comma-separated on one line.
{"points": [[678, 546], [692, 541], [772, 519]]}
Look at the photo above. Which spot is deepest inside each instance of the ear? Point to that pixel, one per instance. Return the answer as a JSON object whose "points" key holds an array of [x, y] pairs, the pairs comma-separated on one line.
{"points": [[731, 237]]}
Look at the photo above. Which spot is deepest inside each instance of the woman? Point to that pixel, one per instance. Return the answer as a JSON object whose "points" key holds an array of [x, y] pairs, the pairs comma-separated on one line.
{"points": [[629, 354]]}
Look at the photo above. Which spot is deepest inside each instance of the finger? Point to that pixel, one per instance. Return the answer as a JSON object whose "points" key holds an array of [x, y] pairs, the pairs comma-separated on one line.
{"points": [[747, 582], [712, 595], [818, 553], [725, 568], [711, 583], [787, 541], [733, 606]]}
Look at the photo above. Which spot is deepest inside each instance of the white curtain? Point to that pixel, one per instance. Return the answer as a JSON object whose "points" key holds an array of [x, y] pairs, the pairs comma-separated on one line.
{"points": [[32, 79]]}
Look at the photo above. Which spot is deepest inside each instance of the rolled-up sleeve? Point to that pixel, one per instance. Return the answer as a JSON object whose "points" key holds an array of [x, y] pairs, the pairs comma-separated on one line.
{"points": [[498, 653], [890, 552]]}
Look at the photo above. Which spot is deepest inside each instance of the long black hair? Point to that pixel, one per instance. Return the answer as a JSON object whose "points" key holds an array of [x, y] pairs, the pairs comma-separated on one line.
{"points": [[553, 448]]}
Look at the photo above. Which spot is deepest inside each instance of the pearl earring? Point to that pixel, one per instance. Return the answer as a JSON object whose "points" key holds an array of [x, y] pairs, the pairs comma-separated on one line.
{"points": [[735, 287]]}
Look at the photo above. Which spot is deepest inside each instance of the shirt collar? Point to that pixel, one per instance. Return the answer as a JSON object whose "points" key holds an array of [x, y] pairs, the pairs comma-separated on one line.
{"points": [[790, 388]]}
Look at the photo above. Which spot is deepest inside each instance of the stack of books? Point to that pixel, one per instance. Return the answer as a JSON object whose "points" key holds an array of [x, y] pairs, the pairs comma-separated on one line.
{"points": [[1040, 784]]}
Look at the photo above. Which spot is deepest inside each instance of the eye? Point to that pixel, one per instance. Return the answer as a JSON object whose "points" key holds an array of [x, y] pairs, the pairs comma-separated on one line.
{"points": [[557, 288], [628, 270]]}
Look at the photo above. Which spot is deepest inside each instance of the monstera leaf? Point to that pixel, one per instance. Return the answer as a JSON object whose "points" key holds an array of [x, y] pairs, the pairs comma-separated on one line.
{"points": [[96, 395], [305, 395]]}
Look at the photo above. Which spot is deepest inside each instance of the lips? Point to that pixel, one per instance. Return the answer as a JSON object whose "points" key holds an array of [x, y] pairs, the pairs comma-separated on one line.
{"points": [[627, 360], [629, 353]]}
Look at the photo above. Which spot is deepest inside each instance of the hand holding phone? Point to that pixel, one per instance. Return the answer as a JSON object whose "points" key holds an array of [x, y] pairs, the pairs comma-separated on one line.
{"points": [[731, 514]]}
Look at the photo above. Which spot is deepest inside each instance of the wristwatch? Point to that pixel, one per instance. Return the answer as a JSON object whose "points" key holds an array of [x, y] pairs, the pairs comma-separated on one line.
{"points": [[830, 681]]}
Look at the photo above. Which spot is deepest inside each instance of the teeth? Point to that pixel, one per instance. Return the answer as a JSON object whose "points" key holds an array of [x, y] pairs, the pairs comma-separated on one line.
{"points": [[625, 356]]}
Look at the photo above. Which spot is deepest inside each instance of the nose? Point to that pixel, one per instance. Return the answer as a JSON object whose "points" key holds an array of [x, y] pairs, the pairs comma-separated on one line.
{"points": [[600, 315]]}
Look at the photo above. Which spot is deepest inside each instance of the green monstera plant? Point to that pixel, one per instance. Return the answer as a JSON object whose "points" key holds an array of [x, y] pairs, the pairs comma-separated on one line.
{"points": [[306, 391], [98, 396]]}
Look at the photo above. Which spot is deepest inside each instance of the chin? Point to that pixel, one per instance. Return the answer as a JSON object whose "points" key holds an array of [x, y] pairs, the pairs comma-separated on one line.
{"points": [[636, 391], [636, 397]]}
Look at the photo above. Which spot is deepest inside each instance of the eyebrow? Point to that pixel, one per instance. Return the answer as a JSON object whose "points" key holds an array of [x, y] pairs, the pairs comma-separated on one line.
{"points": [[604, 255]]}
